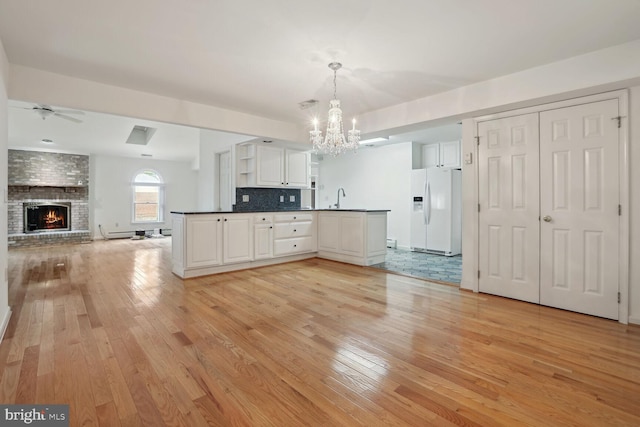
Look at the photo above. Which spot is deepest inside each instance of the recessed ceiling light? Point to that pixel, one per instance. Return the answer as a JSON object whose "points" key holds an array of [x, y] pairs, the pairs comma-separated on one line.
{"points": [[47, 141], [374, 140]]}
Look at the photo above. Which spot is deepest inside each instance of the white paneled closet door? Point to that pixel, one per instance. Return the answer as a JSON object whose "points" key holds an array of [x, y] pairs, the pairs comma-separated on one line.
{"points": [[509, 235], [579, 201]]}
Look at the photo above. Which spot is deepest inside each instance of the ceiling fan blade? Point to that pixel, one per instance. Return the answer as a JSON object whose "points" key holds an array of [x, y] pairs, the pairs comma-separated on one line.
{"points": [[71, 119], [69, 111]]}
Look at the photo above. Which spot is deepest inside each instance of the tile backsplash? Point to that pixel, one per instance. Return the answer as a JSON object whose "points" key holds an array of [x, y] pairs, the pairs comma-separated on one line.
{"points": [[255, 199]]}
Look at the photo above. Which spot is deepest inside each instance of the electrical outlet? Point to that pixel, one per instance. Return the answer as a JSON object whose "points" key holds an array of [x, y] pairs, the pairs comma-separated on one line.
{"points": [[292, 198], [245, 197], [281, 199]]}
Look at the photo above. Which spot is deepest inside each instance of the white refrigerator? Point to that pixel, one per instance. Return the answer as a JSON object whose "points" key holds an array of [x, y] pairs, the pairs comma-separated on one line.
{"points": [[436, 211]]}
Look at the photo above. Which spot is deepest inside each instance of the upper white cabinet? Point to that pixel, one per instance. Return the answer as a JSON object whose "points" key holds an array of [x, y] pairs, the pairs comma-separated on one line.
{"points": [[271, 166], [297, 168], [442, 155]]}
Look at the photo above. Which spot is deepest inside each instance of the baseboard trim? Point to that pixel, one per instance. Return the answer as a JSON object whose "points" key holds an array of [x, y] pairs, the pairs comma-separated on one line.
{"points": [[5, 323], [635, 320]]}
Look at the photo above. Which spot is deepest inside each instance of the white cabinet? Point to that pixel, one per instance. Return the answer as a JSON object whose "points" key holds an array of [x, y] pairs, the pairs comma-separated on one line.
{"points": [[294, 233], [203, 235], [271, 166], [297, 168], [354, 237], [442, 155], [263, 237], [196, 242], [431, 156], [245, 165], [210, 243], [237, 238]]}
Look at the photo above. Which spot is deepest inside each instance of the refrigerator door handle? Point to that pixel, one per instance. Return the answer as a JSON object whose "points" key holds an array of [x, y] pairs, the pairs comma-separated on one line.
{"points": [[424, 203], [428, 202]]}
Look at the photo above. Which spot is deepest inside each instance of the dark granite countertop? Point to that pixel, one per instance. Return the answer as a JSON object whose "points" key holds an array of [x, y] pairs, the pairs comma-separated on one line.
{"points": [[281, 210]]}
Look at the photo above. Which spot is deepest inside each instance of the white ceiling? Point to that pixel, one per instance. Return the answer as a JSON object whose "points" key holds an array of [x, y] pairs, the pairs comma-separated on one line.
{"points": [[105, 134], [264, 57]]}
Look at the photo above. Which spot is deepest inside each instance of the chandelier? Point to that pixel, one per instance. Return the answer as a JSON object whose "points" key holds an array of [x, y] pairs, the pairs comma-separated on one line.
{"points": [[334, 141]]}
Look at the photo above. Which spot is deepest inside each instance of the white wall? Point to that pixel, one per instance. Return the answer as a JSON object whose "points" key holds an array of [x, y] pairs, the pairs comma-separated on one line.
{"points": [[110, 191], [211, 144], [372, 178], [5, 310]]}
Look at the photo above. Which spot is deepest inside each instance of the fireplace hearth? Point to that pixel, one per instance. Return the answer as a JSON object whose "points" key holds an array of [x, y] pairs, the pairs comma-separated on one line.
{"points": [[46, 216]]}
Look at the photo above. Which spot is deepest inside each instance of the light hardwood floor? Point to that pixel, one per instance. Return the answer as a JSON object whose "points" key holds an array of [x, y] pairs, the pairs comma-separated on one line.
{"points": [[106, 328]]}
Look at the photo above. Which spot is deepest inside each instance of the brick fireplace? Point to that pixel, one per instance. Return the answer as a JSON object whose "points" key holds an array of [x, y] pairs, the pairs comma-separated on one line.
{"points": [[59, 181]]}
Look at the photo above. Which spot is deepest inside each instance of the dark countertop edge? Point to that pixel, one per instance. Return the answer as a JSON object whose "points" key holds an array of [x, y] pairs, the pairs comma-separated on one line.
{"points": [[281, 211]]}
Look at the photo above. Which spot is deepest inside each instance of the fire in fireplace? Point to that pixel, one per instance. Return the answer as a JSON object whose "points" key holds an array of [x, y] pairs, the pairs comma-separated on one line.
{"points": [[39, 217]]}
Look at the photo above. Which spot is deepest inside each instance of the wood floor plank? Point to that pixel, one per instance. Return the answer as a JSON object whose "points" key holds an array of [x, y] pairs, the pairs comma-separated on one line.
{"points": [[108, 329]]}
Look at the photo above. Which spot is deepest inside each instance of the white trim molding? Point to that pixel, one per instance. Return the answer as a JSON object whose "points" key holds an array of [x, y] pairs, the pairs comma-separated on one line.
{"points": [[5, 323]]}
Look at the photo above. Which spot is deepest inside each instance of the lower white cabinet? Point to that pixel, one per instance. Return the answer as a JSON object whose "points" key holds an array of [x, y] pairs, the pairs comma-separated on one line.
{"points": [[237, 238], [204, 246], [294, 233], [354, 237], [263, 237], [210, 243]]}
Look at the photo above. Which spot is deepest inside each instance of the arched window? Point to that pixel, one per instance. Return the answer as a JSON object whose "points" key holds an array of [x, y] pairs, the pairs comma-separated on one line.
{"points": [[148, 197]]}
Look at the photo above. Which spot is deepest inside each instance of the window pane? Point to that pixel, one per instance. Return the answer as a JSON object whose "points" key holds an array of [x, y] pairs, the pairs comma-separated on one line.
{"points": [[148, 177], [147, 204], [146, 212]]}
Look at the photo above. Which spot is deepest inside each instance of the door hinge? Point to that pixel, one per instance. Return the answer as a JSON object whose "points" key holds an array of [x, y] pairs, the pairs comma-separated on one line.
{"points": [[619, 119], [478, 207], [619, 210], [618, 297], [477, 140]]}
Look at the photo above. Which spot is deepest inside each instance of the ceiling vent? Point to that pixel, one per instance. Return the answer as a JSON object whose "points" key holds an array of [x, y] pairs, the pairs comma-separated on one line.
{"points": [[307, 104], [140, 135]]}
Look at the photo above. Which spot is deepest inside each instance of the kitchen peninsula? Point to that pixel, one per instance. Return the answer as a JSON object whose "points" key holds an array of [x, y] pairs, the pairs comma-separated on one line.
{"points": [[206, 243]]}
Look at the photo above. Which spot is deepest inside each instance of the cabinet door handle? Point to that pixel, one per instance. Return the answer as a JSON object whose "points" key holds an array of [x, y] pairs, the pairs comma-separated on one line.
{"points": [[270, 227], [295, 246], [294, 230], [294, 217], [225, 219], [218, 219], [263, 219]]}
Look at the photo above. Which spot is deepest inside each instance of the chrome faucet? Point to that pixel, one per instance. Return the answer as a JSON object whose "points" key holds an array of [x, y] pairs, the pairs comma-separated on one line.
{"points": [[337, 205]]}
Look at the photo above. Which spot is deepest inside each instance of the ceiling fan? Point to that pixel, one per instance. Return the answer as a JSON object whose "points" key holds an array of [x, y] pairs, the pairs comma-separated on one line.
{"points": [[46, 111]]}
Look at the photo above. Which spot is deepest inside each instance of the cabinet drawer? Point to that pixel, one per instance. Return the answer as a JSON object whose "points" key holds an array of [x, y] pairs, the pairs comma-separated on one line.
{"points": [[297, 216], [263, 219], [294, 229], [293, 246]]}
